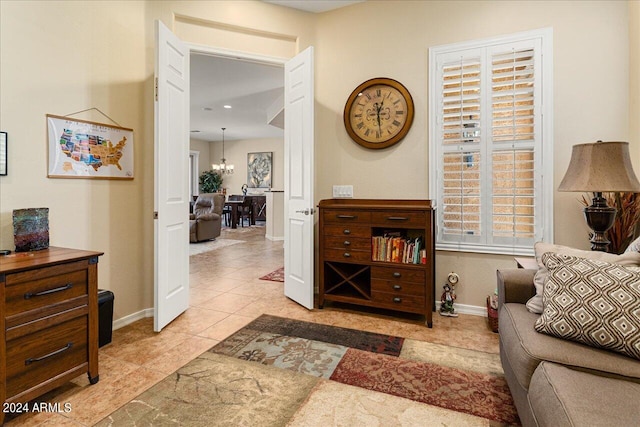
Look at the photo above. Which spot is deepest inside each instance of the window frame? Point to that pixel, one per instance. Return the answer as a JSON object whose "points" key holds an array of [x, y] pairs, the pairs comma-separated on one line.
{"points": [[543, 146]]}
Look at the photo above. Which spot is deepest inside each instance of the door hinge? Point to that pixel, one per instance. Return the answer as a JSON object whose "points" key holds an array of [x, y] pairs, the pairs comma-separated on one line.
{"points": [[155, 214], [156, 89]]}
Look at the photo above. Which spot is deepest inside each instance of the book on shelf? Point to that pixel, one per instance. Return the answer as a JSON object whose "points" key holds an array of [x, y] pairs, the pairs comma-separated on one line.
{"points": [[391, 247]]}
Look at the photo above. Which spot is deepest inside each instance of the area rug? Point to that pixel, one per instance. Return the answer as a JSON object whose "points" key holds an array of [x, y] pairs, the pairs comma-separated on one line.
{"points": [[211, 245], [275, 276], [284, 372]]}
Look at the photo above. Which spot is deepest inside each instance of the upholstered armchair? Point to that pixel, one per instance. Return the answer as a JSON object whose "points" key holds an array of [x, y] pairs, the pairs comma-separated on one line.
{"points": [[206, 220]]}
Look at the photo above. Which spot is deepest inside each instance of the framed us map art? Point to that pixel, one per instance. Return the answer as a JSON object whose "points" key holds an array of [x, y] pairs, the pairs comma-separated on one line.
{"points": [[84, 149]]}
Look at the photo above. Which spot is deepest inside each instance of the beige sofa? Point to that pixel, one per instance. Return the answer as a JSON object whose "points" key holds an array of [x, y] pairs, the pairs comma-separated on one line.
{"points": [[556, 382]]}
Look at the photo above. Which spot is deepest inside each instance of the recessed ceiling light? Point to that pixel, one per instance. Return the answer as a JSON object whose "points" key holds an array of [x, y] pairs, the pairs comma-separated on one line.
{"points": [[228, 107]]}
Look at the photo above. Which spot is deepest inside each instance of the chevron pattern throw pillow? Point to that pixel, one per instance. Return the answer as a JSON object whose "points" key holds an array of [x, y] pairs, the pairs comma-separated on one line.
{"points": [[592, 302]]}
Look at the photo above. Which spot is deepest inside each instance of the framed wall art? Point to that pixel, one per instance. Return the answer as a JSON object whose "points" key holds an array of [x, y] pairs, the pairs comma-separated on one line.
{"points": [[259, 169], [3, 153], [84, 149]]}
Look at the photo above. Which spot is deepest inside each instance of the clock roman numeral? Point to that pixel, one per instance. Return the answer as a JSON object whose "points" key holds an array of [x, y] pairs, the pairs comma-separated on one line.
{"points": [[400, 112], [367, 132], [360, 125], [378, 93], [396, 123]]}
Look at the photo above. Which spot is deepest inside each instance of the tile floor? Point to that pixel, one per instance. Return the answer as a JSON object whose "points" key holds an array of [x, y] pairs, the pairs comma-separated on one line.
{"points": [[226, 294]]}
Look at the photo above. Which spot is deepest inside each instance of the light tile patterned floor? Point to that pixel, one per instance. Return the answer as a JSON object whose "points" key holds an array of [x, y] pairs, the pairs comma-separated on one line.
{"points": [[226, 294]]}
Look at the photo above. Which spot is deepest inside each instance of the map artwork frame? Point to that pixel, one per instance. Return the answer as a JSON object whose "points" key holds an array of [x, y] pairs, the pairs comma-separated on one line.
{"points": [[85, 149]]}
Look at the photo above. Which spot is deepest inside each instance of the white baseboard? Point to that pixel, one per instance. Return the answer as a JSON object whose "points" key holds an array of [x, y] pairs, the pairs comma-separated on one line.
{"points": [[274, 238], [126, 320], [473, 310]]}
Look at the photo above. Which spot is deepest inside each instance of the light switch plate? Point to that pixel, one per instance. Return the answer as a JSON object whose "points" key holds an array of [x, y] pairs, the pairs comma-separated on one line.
{"points": [[343, 191]]}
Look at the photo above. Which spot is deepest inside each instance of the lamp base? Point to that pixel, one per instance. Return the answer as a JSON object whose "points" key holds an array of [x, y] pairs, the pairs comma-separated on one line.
{"points": [[600, 218]]}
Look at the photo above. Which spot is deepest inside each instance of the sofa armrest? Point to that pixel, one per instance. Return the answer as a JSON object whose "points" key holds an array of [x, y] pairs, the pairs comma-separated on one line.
{"points": [[515, 285]]}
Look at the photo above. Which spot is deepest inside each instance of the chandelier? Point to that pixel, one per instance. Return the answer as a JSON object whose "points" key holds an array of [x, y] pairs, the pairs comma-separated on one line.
{"points": [[223, 167]]}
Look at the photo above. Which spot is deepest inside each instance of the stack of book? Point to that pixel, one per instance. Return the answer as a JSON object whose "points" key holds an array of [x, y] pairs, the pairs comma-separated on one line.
{"points": [[391, 247]]}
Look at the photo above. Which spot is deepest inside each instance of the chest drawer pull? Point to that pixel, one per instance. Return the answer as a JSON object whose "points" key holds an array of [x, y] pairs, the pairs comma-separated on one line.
{"points": [[397, 218], [397, 275], [46, 356], [397, 300], [346, 231], [347, 243], [49, 291], [347, 216], [397, 287], [347, 255]]}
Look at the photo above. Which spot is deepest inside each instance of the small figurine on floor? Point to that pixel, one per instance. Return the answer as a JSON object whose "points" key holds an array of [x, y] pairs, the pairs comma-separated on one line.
{"points": [[446, 302]]}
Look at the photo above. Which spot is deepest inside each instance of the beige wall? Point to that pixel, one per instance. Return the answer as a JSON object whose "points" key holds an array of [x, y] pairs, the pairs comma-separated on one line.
{"points": [[61, 57], [591, 98], [236, 153], [634, 82]]}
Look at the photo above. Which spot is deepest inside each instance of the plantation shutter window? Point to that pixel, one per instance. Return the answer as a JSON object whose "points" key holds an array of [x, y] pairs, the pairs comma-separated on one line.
{"points": [[488, 144]]}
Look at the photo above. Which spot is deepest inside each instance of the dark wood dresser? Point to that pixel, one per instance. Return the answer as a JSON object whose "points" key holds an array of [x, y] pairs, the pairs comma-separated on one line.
{"points": [[48, 321], [368, 254]]}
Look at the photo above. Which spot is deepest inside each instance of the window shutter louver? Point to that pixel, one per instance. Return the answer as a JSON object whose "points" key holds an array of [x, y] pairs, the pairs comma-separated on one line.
{"points": [[486, 130]]}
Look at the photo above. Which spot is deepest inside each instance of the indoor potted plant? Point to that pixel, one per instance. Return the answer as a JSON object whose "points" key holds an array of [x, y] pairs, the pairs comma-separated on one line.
{"points": [[210, 182]]}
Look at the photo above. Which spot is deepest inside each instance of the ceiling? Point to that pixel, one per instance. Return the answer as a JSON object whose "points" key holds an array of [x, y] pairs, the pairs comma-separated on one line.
{"points": [[316, 6], [255, 91]]}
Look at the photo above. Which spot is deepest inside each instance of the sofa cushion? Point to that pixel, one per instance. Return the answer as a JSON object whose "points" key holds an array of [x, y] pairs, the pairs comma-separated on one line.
{"points": [[560, 396], [633, 246], [526, 348], [631, 259], [593, 302]]}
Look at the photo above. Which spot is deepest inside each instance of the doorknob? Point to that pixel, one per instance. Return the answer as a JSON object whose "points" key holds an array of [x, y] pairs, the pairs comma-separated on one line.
{"points": [[306, 211]]}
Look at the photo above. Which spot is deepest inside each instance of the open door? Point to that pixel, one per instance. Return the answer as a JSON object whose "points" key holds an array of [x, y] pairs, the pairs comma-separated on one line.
{"points": [[171, 186], [298, 178]]}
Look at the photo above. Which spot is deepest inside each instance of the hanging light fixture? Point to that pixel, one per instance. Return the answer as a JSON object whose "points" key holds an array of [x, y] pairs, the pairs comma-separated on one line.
{"points": [[223, 167]]}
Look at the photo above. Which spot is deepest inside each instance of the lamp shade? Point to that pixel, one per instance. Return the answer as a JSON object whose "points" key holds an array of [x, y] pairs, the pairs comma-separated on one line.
{"points": [[600, 167]]}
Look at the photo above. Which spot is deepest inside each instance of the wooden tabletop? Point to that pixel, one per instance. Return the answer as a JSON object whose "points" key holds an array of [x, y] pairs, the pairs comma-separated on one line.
{"points": [[18, 261]]}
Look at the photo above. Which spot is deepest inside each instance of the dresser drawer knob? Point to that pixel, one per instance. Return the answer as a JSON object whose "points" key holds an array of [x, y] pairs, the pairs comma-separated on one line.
{"points": [[397, 287], [397, 275], [346, 231], [397, 300], [397, 218], [46, 356], [347, 255], [347, 243], [49, 291]]}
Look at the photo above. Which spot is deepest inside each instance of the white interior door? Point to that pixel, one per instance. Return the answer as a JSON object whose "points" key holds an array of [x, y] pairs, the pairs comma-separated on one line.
{"points": [[171, 185], [298, 178]]}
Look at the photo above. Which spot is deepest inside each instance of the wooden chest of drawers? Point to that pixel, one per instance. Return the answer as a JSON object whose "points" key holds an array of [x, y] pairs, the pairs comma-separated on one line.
{"points": [[355, 270], [48, 321]]}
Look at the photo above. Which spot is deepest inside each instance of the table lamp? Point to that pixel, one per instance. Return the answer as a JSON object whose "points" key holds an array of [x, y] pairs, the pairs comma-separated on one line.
{"points": [[600, 167]]}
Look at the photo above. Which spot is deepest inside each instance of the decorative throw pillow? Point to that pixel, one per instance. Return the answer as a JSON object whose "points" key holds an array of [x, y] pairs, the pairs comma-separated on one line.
{"points": [[534, 305], [592, 302], [633, 246]]}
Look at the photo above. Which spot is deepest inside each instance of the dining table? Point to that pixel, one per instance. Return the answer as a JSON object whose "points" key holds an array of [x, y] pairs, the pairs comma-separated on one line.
{"points": [[233, 204]]}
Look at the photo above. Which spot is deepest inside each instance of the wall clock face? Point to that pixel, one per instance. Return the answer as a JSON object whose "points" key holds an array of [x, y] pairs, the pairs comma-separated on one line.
{"points": [[378, 113]]}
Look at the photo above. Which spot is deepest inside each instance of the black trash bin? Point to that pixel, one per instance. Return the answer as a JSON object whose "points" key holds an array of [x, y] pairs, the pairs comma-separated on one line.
{"points": [[105, 316]]}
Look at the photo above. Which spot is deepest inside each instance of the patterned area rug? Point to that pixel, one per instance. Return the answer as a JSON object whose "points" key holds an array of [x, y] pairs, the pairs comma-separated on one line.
{"points": [[211, 245], [283, 372], [275, 276]]}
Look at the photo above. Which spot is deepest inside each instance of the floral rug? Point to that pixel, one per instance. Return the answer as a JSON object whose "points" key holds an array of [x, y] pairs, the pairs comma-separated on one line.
{"points": [[275, 276], [284, 372]]}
